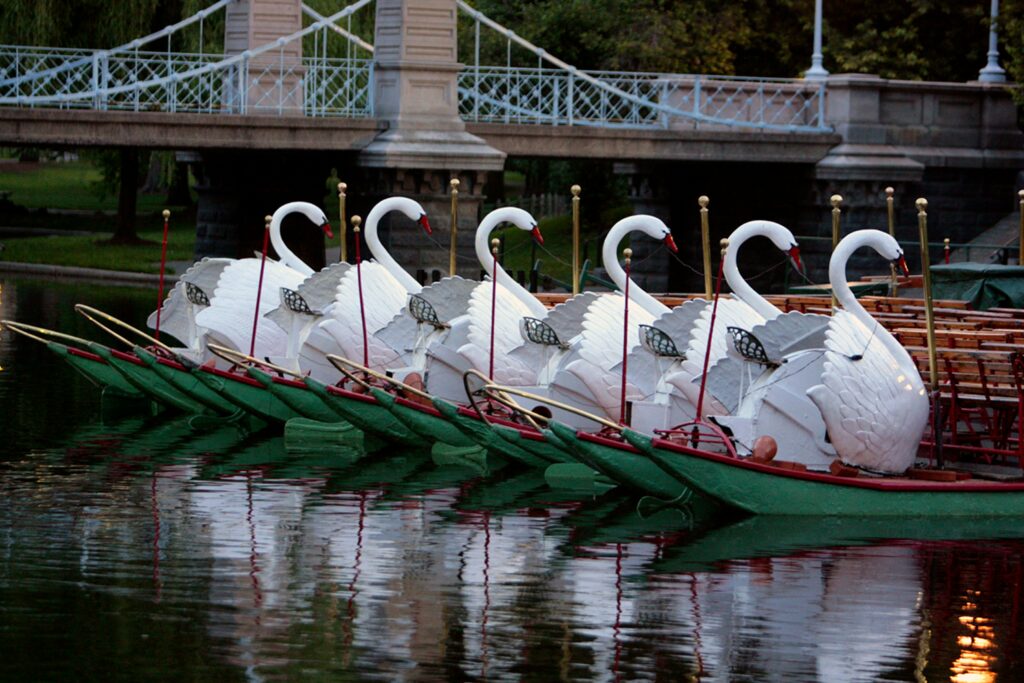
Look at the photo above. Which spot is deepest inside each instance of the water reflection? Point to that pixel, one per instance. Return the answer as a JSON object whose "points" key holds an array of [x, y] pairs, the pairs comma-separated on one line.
{"points": [[218, 555]]}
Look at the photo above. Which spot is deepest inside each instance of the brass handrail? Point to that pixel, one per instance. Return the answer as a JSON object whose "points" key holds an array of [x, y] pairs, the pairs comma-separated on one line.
{"points": [[552, 402], [88, 312], [27, 330], [238, 358], [340, 362]]}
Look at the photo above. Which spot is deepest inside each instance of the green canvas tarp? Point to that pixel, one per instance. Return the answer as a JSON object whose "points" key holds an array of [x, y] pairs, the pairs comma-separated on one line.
{"points": [[984, 286]]}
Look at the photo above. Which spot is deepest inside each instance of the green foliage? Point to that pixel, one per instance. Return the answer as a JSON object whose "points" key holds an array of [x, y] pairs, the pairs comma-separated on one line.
{"points": [[91, 252], [919, 40], [65, 185], [916, 39]]}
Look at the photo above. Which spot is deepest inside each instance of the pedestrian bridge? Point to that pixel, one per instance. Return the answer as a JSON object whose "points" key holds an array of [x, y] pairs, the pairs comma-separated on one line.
{"points": [[320, 80]]}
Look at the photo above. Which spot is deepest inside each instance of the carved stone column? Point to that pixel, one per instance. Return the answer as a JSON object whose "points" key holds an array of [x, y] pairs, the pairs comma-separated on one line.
{"points": [[274, 82], [425, 144]]}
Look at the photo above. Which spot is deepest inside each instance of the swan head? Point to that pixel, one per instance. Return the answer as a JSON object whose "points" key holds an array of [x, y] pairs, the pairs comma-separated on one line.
{"points": [[781, 236], [888, 248], [318, 217], [517, 217], [652, 227], [414, 212]]}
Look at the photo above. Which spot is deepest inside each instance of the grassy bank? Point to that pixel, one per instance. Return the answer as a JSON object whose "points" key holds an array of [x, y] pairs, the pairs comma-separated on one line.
{"points": [[89, 251], [66, 185], [40, 192]]}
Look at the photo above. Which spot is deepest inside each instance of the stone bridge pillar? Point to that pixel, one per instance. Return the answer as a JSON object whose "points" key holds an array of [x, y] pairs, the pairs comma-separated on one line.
{"points": [[274, 85], [425, 143]]}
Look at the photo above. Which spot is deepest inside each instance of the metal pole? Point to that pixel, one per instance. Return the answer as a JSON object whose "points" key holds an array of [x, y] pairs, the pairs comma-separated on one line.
{"points": [[705, 235], [453, 251], [817, 71], [343, 256], [929, 312], [628, 253], [576, 284], [836, 201], [894, 286], [1020, 256], [926, 283], [992, 72]]}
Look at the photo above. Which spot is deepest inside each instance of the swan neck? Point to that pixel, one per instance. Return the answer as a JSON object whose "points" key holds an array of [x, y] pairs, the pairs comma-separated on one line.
{"points": [[380, 253], [285, 255], [848, 301], [739, 286], [609, 256], [486, 258]]}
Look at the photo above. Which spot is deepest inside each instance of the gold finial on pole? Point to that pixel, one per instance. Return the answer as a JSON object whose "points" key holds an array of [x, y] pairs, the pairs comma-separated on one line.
{"points": [[356, 222], [835, 200], [495, 243], [575, 189], [628, 253], [454, 249], [894, 286], [926, 283], [705, 236], [266, 221], [342, 224], [945, 250], [166, 214], [1020, 256], [724, 244]]}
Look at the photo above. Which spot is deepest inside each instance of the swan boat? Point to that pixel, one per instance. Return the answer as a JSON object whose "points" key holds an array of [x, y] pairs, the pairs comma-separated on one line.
{"points": [[639, 474], [876, 444]]}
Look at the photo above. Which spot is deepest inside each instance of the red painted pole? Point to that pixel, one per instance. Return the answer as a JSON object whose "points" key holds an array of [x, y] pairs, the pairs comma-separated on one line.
{"points": [[259, 286], [494, 301], [711, 331], [163, 267], [625, 341], [356, 222]]}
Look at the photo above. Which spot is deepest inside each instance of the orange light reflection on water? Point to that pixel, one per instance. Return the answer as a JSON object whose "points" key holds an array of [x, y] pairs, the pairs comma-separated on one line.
{"points": [[977, 656]]}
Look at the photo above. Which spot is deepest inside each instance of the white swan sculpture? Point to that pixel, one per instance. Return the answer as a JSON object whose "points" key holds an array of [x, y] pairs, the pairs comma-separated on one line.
{"points": [[667, 365], [871, 396], [857, 395], [467, 344], [216, 297], [584, 377], [385, 288]]}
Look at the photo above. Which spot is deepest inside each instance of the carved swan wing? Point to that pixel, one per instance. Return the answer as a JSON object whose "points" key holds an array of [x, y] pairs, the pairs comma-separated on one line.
{"points": [[229, 318], [194, 288], [874, 405], [510, 310]]}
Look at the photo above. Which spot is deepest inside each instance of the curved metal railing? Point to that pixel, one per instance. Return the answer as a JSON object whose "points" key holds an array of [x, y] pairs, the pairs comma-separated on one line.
{"points": [[273, 79]]}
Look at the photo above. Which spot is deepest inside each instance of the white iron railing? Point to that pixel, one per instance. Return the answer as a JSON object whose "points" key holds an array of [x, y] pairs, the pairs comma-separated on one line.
{"points": [[557, 93], [272, 80]]}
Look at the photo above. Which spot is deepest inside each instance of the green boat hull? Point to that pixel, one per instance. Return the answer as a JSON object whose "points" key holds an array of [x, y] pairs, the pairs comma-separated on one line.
{"points": [[296, 396], [96, 370], [548, 448], [781, 536], [480, 433], [768, 490], [302, 434], [187, 383], [365, 414], [425, 423], [248, 395], [146, 380], [623, 465]]}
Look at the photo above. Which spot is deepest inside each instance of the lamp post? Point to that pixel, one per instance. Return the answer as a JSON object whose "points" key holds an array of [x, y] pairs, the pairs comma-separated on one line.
{"points": [[817, 71], [993, 73]]}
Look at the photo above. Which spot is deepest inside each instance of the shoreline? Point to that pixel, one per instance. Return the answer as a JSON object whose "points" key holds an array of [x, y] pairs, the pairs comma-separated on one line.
{"points": [[115, 277]]}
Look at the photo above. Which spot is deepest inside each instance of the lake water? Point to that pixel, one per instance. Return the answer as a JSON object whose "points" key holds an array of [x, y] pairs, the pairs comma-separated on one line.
{"points": [[134, 548]]}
